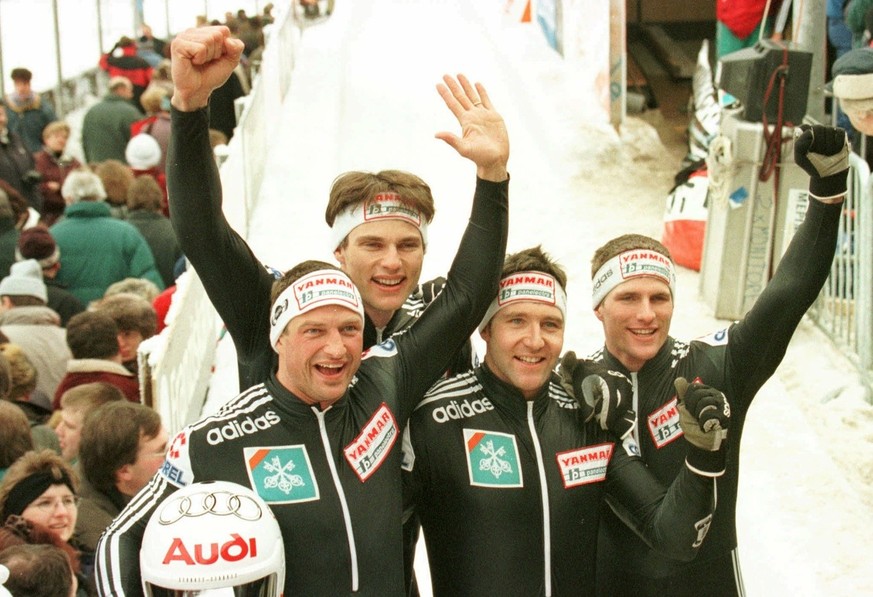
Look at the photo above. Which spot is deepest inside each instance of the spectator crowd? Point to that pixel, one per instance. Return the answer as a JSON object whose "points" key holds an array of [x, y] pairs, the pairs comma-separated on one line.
{"points": [[88, 264]]}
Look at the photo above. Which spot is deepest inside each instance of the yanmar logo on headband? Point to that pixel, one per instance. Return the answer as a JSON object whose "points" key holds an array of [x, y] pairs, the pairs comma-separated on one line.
{"points": [[645, 263], [631, 264], [384, 206], [317, 289], [527, 286], [389, 205], [320, 287]]}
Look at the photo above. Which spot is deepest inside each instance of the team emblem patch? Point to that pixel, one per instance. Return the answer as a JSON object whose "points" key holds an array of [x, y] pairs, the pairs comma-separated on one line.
{"points": [[370, 449], [281, 474], [492, 459], [664, 424], [584, 466], [178, 460]]}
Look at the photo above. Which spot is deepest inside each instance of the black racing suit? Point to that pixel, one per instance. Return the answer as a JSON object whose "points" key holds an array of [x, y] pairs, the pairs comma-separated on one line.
{"points": [[737, 360], [510, 491], [237, 284], [343, 536]]}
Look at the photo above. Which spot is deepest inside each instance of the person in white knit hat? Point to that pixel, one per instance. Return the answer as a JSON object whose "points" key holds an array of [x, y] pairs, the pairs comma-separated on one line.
{"points": [[25, 278], [143, 152], [28, 322]]}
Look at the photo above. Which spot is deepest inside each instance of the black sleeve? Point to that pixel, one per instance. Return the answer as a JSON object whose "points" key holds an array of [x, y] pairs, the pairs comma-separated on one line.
{"points": [[757, 344], [672, 521], [117, 561], [466, 358], [237, 284], [429, 346]]}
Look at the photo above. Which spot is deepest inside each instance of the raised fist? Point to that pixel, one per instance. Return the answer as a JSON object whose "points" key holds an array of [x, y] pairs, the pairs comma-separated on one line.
{"points": [[823, 152]]}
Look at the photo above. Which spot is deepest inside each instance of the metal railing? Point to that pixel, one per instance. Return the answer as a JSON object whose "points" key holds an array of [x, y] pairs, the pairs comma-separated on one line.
{"points": [[844, 309]]}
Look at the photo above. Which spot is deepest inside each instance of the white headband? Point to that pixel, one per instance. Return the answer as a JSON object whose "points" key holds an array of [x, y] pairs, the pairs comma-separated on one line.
{"points": [[384, 206], [631, 264], [527, 286], [316, 289]]}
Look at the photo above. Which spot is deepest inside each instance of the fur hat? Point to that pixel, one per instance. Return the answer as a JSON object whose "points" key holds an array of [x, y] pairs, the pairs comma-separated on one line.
{"points": [[142, 152], [38, 243], [25, 278]]}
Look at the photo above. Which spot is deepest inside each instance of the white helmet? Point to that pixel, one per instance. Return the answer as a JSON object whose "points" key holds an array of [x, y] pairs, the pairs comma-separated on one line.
{"points": [[4, 576], [213, 535]]}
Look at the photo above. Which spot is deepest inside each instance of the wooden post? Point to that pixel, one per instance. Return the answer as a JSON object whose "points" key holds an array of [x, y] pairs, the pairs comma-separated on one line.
{"points": [[617, 63]]}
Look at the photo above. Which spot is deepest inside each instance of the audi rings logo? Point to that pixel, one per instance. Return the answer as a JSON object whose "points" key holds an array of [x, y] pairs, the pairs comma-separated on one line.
{"points": [[216, 503]]}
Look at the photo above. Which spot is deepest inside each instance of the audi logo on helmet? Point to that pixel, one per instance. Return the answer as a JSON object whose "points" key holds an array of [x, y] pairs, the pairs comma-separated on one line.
{"points": [[213, 535], [217, 503]]}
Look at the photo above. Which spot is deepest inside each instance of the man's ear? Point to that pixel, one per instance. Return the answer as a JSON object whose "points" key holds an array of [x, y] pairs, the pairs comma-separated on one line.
{"points": [[123, 474], [598, 314]]}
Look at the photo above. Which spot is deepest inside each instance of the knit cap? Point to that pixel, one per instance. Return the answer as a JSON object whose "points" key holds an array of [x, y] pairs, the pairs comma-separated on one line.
{"points": [[142, 152], [853, 79], [37, 243], [25, 278]]}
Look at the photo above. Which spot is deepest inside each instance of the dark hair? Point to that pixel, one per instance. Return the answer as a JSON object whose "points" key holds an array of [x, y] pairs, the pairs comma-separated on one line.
{"points": [[37, 570], [110, 439], [92, 335], [21, 74], [537, 260]]}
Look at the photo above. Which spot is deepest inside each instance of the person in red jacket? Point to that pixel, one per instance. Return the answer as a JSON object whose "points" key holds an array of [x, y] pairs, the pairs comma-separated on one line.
{"points": [[93, 340], [123, 61]]}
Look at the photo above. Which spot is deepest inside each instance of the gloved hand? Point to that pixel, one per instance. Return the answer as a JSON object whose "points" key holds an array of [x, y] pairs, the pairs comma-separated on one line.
{"points": [[823, 152], [704, 416], [602, 394]]}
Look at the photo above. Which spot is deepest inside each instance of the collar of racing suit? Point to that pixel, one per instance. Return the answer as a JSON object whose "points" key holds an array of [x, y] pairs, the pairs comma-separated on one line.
{"points": [[506, 396], [658, 363], [289, 403]]}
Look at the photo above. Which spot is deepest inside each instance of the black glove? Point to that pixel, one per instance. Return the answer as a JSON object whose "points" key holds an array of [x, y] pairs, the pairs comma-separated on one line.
{"points": [[823, 152], [704, 416], [602, 394]]}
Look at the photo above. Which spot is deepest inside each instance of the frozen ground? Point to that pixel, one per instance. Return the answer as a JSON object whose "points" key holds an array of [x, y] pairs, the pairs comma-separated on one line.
{"points": [[363, 98]]}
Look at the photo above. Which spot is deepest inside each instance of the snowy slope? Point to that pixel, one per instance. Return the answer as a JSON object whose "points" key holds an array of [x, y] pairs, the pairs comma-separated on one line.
{"points": [[363, 98]]}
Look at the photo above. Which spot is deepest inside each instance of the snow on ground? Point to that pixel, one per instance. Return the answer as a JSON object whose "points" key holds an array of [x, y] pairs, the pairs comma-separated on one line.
{"points": [[363, 98]]}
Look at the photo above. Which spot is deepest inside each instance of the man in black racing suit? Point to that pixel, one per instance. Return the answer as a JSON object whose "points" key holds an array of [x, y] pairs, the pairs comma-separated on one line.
{"points": [[636, 312], [238, 285], [508, 472], [327, 462]]}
